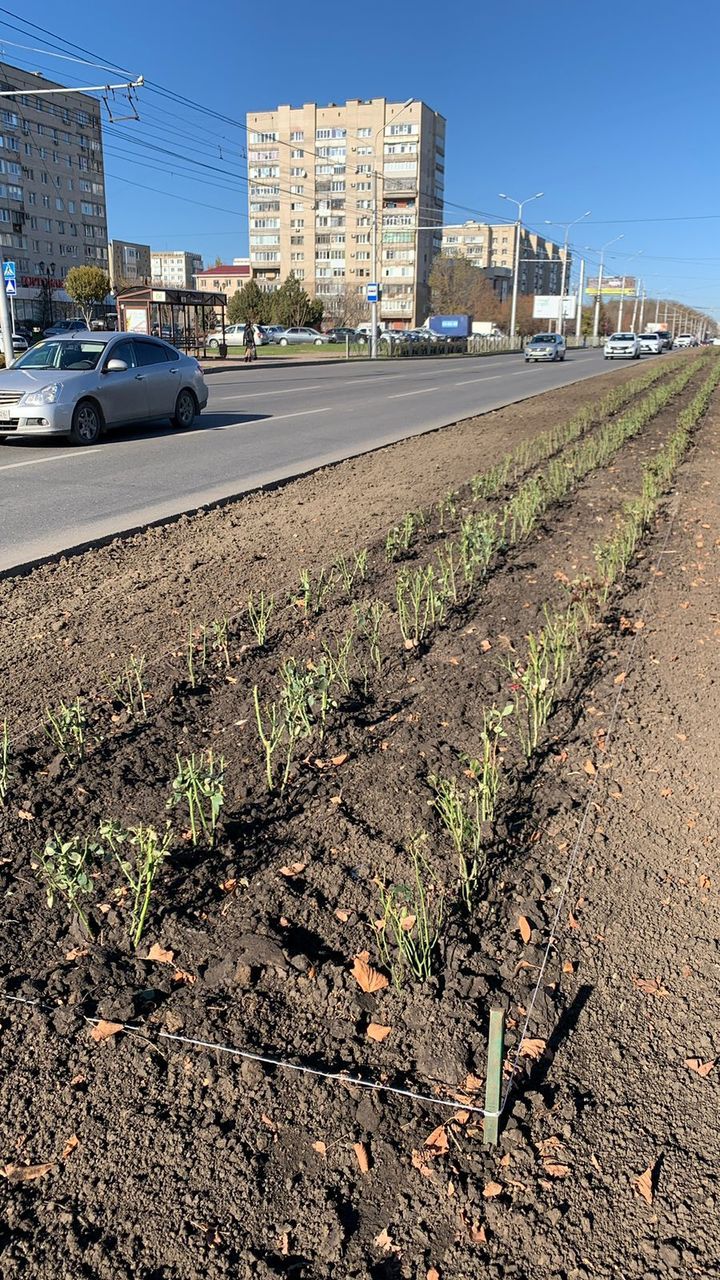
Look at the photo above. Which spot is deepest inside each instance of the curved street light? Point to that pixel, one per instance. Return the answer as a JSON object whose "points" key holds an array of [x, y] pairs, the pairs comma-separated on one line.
{"points": [[518, 231]]}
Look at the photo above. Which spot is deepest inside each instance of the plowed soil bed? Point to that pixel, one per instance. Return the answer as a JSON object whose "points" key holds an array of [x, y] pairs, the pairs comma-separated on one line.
{"points": [[169, 1159]]}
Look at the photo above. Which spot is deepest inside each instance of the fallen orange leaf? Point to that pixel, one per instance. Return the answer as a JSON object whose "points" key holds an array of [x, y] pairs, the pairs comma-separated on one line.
{"points": [[69, 1147], [620, 679], [651, 986], [294, 869], [699, 1067], [385, 1242], [556, 1170], [378, 1033], [159, 953], [437, 1142], [320, 1147], [568, 966], [492, 1189], [362, 1157], [432, 1273], [105, 1030], [26, 1172], [525, 928], [532, 1049], [589, 768], [644, 1186], [342, 915], [366, 977], [77, 952]]}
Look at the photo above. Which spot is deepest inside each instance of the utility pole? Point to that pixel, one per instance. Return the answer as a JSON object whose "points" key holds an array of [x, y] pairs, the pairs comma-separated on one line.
{"points": [[518, 238], [581, 290], [598, 299], [642, 309], [657, 309], [567, 226], [620, 304]]}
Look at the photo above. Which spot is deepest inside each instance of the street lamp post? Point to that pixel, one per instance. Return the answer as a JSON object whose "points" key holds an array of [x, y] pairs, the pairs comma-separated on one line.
{"points": [[374, 246], [598, 299], [622, 291], [518, 236], [567, 226]]}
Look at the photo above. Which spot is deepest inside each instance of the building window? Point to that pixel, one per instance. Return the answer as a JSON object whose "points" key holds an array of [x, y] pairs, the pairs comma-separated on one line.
{"points": [[297, 135]]}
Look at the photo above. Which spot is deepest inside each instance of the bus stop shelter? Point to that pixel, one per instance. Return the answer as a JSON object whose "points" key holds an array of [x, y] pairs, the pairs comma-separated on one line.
{"points": [[183, 317]]}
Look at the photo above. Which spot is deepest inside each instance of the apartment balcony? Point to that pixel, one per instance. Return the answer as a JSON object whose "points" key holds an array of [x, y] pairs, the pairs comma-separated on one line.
{"points": [[395, 185]]}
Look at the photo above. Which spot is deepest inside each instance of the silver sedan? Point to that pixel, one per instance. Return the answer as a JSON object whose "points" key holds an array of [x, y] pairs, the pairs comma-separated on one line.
{"points": [[75, 386]]}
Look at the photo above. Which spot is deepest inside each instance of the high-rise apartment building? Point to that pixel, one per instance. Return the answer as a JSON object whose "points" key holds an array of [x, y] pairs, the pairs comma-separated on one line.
{"points": [[52, 190], [175, 269], [322, 180], [129, 263], [487, 246]]}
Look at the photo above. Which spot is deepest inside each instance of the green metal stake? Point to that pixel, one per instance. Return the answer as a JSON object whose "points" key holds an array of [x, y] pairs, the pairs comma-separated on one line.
{"points": [[493, 1084]]}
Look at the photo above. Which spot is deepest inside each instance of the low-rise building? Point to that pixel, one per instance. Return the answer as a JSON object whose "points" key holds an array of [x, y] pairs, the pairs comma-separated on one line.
{"points": [[175, 269], [491, 246], [129, 264], [224, 279]]}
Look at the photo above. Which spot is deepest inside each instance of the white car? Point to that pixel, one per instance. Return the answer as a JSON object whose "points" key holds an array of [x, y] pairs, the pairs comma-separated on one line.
{"points": [[651, 342], [19, 344], [234, 336], [684, 340], [622, 346], [545, 346]]}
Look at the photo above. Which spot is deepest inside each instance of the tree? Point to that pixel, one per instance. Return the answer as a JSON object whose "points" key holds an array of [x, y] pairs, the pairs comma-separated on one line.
{"points": [[249, 303], [457, 287], [87, 286], [347, 306], [291, 305]]}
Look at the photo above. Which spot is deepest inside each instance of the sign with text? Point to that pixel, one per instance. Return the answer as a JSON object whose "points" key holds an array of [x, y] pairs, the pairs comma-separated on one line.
{"points": [[613, 286], [547, 306]]}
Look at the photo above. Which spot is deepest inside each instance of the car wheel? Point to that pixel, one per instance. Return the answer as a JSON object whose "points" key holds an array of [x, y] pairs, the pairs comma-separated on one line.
{"points": [[527, 359], [87, 424], [283, 342], [562, 356], [318, 342], [213, 344], [185, 410]]}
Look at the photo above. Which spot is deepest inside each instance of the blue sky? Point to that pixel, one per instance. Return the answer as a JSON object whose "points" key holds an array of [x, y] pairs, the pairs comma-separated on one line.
{"points": [[612, 109]]}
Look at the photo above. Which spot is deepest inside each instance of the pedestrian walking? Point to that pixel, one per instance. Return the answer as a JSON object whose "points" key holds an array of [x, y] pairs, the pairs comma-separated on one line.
{"points": [[249, 341]]}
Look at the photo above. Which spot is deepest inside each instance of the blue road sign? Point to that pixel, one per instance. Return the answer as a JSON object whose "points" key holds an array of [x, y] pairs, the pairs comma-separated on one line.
{"points": [[9, 270], [10, 287], [372, 292]]}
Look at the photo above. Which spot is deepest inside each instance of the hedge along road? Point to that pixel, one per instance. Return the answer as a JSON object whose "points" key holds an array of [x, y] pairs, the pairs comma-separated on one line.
{"points": [[260, 426]]}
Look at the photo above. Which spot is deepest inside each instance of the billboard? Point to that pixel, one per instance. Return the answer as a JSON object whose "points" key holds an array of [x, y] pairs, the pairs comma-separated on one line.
{"points": [[547, 306], [613, 286]]}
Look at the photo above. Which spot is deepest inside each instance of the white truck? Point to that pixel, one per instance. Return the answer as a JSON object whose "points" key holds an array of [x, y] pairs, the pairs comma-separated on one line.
{"points": [[486, 329]]}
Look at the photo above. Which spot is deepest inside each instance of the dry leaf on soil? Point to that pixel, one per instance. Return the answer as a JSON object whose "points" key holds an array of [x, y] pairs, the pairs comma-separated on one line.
{"points": [[492, 1189], [378, 1033], [77, 953], [105, 1030], [432, 1273], [69, 1147], [362, 1157], [437, 1142], [644, 1185], [26, 1172], [385, 1242], [699, 1067], [294, 869], [532, 1049], [367, 978], [525, 928], [651, 987], [589, 768], [568, 966], [159, 953], [320, 1147], [556, 1170]]}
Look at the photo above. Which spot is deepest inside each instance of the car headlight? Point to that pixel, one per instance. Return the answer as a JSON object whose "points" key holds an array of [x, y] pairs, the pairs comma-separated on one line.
{"points": [[46, 395]]}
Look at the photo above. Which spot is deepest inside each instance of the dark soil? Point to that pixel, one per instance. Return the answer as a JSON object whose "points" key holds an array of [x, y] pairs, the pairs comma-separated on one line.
{"points": [[190, 1162]]}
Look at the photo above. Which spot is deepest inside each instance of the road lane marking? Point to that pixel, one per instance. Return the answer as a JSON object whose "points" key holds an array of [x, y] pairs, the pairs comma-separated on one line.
{"points": [[489, 378], [55, 457], [422, 391], [272, 417], [248, 395]]}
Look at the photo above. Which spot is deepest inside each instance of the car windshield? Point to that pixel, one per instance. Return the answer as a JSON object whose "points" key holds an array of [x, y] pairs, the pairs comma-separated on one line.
{"points": [[649, 337], [543, 338], [54, 354], [622, 337]]}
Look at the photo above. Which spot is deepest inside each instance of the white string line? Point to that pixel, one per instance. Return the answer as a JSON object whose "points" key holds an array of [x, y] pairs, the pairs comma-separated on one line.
{"points": [[590, 796], [341, 1077]]}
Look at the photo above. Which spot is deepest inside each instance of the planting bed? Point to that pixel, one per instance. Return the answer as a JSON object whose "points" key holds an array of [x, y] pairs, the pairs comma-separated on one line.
{"points": [[167, 1159]]}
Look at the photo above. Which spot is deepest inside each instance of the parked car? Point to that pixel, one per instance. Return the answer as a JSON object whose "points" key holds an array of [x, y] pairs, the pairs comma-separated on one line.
{"points": [[684, 340], [274, 331], [235, 336], [651, 342], [622, 346], [545, 346], [76, 385], [19, 343], [65, 326], [342, 332], [302, 333], [716, 341]]}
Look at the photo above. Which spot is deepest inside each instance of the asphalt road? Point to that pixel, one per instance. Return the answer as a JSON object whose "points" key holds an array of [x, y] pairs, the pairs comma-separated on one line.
{"points": [[261, 425]]}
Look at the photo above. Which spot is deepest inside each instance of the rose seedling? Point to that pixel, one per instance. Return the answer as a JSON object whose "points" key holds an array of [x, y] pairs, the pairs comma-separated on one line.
{"points": [[65, 727], [139, 853], [62, 867], [199, 787]]}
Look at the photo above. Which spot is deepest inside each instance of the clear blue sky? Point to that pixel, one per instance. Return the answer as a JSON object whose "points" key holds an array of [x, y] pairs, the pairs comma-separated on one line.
{"points": [[609, 108]]}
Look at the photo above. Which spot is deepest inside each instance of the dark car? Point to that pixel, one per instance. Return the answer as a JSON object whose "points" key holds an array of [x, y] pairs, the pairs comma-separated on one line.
{"points": [[342, 332]]}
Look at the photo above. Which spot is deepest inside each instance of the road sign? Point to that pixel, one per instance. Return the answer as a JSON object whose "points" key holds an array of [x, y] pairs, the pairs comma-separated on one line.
{"points": [[373, 292], [9, 270], [10, 286]]}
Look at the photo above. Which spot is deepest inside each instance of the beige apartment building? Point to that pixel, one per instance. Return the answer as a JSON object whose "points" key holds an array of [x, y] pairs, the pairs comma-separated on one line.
{"points": [[489, 246], [52, 191], [129, 264], [175, 269], [318, 179]]}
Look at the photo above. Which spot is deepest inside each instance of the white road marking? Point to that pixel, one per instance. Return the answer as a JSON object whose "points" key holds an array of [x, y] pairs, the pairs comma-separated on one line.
{"points": [[54, 457], [273, 417], [490, 378], [289, 391], [422, 391]]}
